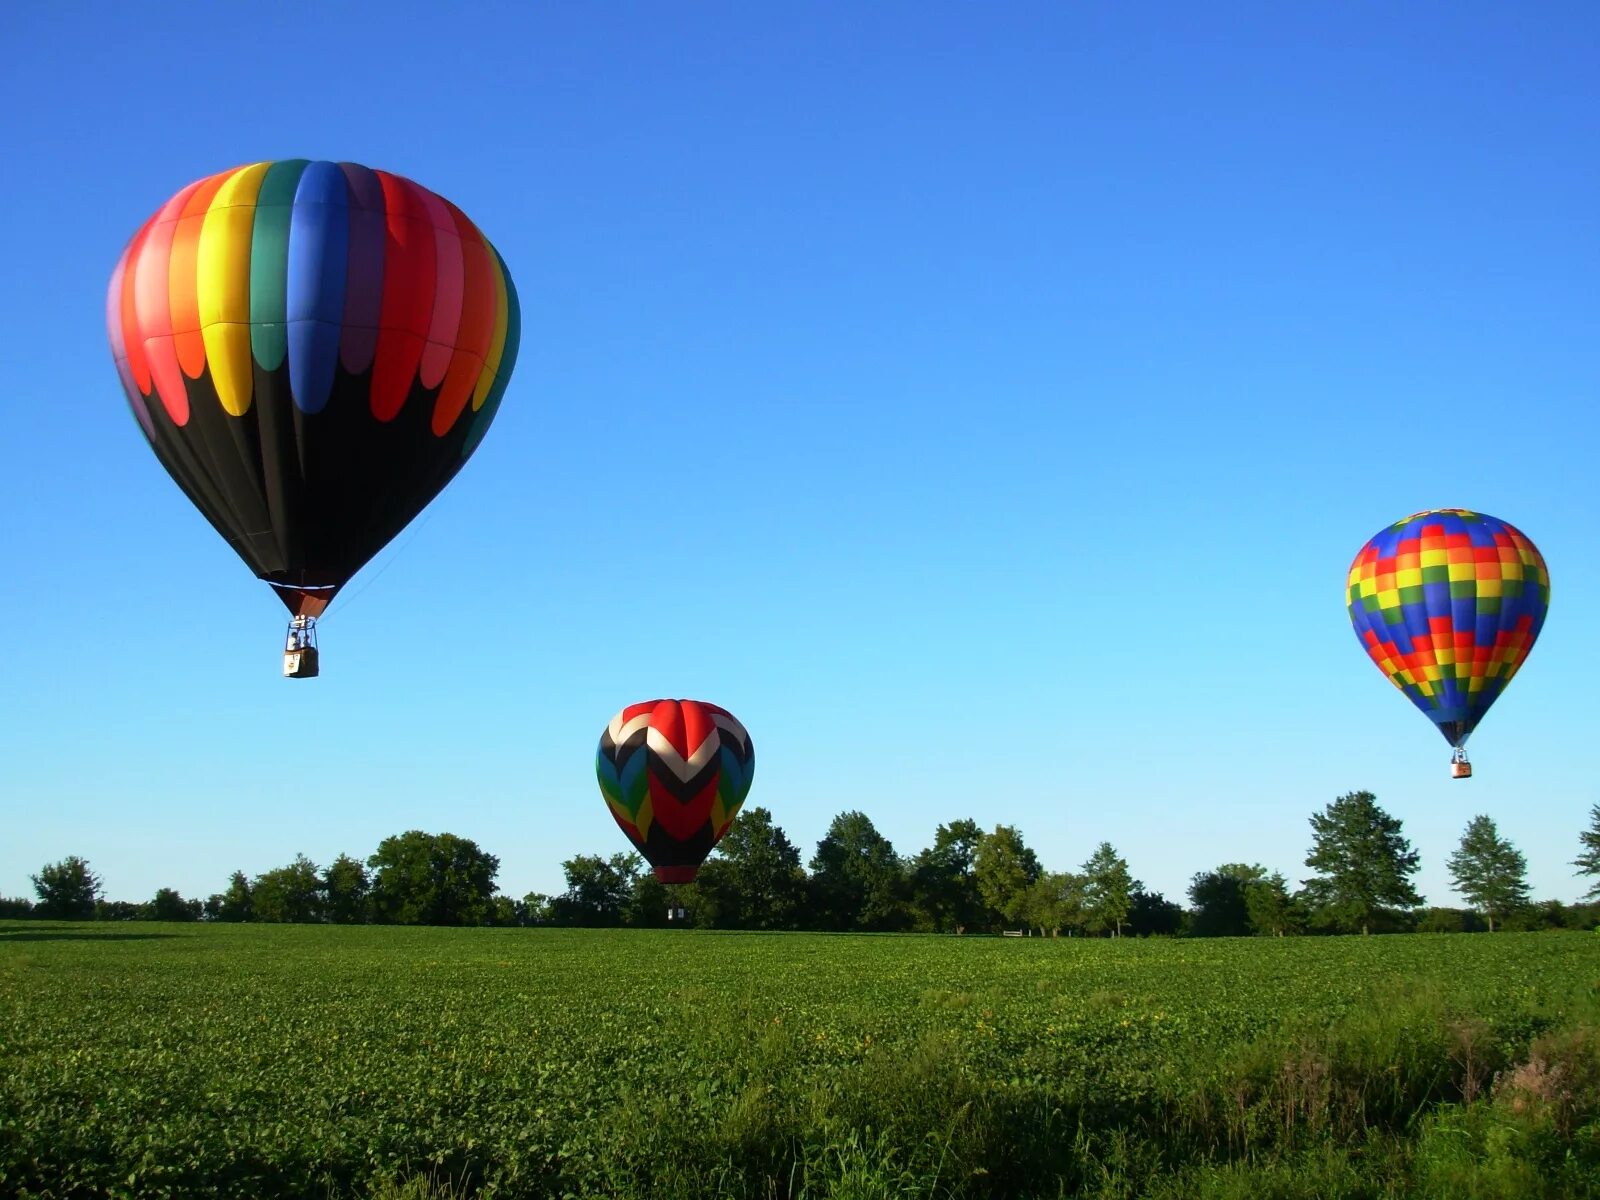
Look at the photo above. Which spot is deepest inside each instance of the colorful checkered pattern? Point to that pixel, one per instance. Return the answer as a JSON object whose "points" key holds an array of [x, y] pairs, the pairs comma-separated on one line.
{"points": [[1448, 603]]}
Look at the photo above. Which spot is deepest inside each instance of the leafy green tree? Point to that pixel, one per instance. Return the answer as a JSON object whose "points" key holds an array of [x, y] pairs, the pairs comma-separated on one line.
{"points": [[13, 907], [431, 879], [598, 889], [1546, 914], [1588, 860], [1489, 872], [943, 880], [503, 911], [1150, 914], [168, 905], [1107, 891], [1449, 920], [1365, 863], [648, 901], [534, 909], [1270, 908], [754, 878], [288, 894], [67, 890], [234, 904], [344, 891], [1005, 870], [1053, 902], [856, 879], [1218, 901]]}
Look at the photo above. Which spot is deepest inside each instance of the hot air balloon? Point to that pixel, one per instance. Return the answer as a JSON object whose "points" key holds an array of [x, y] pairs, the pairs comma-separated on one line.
{"points": [[674, 773], [1448, 603], [313, 350]]}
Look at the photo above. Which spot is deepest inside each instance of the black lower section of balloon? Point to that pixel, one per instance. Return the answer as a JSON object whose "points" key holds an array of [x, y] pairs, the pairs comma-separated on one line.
{"points": [[660, 850], [306, 499]]}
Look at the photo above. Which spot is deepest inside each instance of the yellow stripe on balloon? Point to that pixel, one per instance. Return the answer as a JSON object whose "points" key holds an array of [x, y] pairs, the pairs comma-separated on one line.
{"points": [[223, 284], [647, 815], [497, 343]]}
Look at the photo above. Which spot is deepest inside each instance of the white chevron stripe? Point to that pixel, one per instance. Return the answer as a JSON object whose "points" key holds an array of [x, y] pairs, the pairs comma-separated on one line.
{"points": [[620, 732], [724, 721], [684, 770]]}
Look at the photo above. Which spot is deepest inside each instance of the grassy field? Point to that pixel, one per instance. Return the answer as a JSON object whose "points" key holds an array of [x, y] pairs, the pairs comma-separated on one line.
{"points": [[254, 1061]]}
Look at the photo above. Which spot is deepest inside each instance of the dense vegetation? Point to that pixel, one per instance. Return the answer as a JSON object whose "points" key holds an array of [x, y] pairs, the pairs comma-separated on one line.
{"points": [[968, 880], [276, 1060]]}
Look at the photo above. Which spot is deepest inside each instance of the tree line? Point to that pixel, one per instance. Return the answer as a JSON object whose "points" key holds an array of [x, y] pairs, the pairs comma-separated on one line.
{"points": [[970, 880]]}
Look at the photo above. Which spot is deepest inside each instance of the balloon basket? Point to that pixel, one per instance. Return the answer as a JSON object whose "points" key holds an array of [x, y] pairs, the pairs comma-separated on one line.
{"points": [[300, 649], [1460, 768]]}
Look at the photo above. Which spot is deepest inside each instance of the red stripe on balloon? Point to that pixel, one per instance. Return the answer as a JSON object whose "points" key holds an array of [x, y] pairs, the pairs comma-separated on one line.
{"points": [[128, 323], [667, 720], [152, 306], [682, 820], [409, 273], [477, 326], [446, 323]]}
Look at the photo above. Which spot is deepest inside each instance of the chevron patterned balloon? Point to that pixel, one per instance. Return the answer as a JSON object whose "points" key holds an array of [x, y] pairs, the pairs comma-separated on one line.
{"points": [[1448, 603], [673, 774]]}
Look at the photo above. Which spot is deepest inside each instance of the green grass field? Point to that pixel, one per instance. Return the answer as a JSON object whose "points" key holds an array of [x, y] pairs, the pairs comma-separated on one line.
{"points": [[253, 1061]]}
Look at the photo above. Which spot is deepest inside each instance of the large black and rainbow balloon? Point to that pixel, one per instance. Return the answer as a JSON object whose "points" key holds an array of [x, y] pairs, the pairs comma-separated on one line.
{"points": [[673, 774], [313, 350], [1448, 603]]}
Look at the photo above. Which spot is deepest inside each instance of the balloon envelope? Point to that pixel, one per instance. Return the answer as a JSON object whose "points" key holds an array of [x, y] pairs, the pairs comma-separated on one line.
{"points": [[1448, 603], [674, 773], [313, 350]]}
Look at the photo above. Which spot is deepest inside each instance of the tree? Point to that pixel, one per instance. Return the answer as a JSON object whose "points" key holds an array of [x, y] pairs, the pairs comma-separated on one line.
{"points": [[754, 879], [431, 879], [1107, 892], [855, 877], [344, 890], [1449, 920], [1150, 914], [647, 902], [1588, 860], [234, 904], [1272, 911], [1005, 870], [288, 894], [168, 905], [944, 882], [503, 911], [534, 909], [1218, 897], [67, 890], [1053, 902], [1364, 861], [597, 889], [1489, 872]]}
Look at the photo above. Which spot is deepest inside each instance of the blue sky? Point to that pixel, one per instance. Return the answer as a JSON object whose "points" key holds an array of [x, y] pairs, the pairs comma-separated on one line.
{"points": [[982, 403]]}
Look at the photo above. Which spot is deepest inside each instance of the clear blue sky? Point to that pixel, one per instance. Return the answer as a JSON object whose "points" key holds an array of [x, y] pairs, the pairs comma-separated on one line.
{"points": [[984, 403]]}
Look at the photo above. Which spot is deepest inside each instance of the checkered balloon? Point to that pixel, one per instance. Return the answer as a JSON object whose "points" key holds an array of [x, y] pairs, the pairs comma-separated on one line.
{"points": [[1448, 603]]}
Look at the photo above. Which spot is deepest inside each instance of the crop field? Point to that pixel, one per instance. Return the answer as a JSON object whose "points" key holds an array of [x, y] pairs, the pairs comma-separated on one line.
{"points": [[254, 1061]]}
